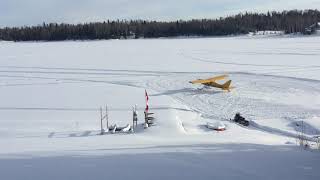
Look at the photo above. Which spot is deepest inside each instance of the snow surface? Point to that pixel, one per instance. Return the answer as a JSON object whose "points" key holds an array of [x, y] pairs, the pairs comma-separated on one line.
{"points": [[51, 93]]}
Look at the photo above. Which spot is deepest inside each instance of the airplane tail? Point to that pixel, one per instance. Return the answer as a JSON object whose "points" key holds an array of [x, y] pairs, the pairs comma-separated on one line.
{"points": [[226, 85]]}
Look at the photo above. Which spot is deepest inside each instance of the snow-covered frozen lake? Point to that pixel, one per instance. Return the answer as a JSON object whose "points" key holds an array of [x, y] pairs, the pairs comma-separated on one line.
{"points": [[51, 93]]}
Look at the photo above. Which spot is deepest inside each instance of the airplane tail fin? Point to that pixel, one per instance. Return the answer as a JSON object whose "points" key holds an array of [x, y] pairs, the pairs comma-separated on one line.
{"points": [[226, 85]]}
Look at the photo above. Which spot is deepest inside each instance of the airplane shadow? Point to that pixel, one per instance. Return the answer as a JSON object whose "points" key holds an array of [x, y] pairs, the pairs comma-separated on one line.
{"points": [[188, 91]]}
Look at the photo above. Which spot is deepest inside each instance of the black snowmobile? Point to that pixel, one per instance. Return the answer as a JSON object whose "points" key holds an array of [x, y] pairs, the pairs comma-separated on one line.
{"points": [[240, 120]]}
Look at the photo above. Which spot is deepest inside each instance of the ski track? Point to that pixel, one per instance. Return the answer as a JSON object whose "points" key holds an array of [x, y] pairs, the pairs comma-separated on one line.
{"points": [[197, 58]]}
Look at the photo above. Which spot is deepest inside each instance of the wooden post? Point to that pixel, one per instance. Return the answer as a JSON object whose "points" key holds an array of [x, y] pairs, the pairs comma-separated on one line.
{"points": [[107, 117], [132, 117], [135, 117], [145, 119], [101, 125]]}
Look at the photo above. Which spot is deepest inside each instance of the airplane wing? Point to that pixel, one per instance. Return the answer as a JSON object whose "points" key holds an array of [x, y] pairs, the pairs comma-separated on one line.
{"points": [[217, 78], [201, 81]]}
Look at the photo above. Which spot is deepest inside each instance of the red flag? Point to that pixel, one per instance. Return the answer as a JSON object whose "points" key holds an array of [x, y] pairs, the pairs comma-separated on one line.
{"points": [[147, 100]]}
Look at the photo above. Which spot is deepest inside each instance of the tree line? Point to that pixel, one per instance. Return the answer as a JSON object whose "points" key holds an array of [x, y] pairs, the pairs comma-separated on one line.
{"points": [[294, 21]]}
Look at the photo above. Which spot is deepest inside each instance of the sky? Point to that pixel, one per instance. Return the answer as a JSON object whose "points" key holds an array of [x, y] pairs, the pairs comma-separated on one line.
{"points": [[34, 12]]}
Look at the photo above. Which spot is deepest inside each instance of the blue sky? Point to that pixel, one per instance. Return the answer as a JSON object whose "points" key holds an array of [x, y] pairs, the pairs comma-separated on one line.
{"points": [[33, 12]]}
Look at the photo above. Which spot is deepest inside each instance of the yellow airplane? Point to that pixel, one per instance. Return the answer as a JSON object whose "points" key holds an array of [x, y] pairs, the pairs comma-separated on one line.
{"points": [[212, 82]]}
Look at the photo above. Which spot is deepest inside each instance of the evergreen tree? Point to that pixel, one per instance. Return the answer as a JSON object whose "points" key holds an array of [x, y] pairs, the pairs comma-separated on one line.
{"points": [[294, 21]]}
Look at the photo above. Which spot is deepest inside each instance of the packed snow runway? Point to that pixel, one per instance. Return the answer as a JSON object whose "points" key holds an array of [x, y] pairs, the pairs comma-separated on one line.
{"points": [[51, 94]]}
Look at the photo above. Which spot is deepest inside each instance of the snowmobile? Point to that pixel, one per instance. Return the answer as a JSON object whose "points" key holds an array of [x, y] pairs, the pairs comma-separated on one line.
{"points": [[240, 120]]}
